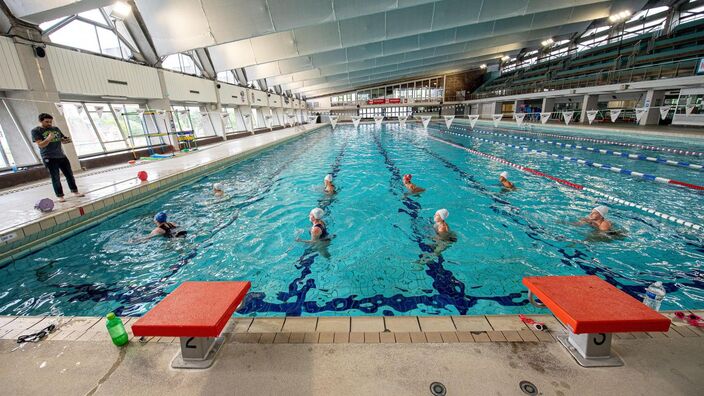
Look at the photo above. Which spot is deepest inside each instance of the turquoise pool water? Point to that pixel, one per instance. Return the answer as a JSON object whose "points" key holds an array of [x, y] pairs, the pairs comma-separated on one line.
{"points": [[383, 258]]}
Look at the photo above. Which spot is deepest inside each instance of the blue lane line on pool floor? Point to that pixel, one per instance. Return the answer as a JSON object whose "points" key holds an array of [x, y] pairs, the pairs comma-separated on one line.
{"points": [[640, 157]]}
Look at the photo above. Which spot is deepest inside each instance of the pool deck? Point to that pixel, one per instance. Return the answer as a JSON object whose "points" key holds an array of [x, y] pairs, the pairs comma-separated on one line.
{"points": [[111, 189], [348, 356]]}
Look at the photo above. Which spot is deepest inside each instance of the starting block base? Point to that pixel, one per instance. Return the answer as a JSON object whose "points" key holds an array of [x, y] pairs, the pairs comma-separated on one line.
{"points": [[607, 360], [211, 346]]}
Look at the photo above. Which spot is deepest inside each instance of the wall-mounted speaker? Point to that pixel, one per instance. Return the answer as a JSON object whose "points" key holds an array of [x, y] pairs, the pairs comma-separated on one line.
{"points": [[39, 52]]}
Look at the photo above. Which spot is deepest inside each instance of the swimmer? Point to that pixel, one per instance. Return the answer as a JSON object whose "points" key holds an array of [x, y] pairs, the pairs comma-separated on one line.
{"points": [[597, 219], [410, 186], [319, 231], [503, 178], [165, 228], [329, 187], [218, 190], [440, 225]]}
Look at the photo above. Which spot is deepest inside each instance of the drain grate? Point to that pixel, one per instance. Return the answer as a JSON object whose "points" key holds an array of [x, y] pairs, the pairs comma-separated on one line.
{"points": [[528, 388], [438, 389]]}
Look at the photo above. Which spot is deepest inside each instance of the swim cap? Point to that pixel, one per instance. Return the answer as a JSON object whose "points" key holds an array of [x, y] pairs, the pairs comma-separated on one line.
{"points": [[317, 213], [504, 174], [602, 210], [328, 177], [443, 213], [160, 217], [407, 176], [217, 186]]}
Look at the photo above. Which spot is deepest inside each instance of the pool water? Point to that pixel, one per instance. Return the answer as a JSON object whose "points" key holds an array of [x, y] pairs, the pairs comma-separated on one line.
{"points": [[383, 258]]}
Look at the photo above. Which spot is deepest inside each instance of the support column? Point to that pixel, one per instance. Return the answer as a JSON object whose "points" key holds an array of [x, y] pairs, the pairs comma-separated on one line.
{"points": [[215, 116], [653, 99], [40, 98], [590, 102]]}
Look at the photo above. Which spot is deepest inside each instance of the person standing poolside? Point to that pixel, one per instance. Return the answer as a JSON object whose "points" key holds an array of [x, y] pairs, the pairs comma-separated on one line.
{"points": [[410, 186], [49, 139], [597, 219], [503, 178], [329, 187], [440, 225], [218, 190]]}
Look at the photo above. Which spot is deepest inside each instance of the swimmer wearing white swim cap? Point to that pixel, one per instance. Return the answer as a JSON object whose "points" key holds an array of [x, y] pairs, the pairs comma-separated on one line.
{"points": [[329, 187], [597, 218], [218, 190], [319, 231], [503, 178], [440, 225]]}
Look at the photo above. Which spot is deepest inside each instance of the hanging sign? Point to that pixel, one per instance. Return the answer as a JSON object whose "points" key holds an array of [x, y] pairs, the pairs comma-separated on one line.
{"points": [[425, 120], [333, 121], [448, 120], [497, 118], [473, 120], [378, 120], [545, 117], [402, 121], [312, 119], [614, 114], [688, 109], [591, 115], [519, 118], [639, 112], [664, 110], [567, 116]]}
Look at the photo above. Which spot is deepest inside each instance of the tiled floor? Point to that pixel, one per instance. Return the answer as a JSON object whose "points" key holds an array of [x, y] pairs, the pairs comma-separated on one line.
{"points": [[344, 329]]}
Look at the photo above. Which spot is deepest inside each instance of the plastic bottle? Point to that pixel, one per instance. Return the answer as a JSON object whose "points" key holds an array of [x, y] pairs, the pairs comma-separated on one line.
{"points": [[654, 295], [116, 329]]}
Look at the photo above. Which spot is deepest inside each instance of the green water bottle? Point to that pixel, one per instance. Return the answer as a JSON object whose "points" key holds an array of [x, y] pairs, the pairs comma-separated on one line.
{"points": [[117, 330]]}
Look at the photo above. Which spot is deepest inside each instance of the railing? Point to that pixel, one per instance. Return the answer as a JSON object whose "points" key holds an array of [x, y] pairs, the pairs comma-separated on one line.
{"points": [[680, 68]]}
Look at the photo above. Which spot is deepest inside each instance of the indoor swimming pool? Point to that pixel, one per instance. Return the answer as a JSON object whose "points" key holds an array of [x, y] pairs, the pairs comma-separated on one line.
{"points": [[384, 258]]}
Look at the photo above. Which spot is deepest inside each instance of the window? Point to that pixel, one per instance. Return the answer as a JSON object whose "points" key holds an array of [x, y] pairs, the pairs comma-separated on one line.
{"points": [[6, 159], [692, 14], [183, 62], [93, 31], [254, 117], [131, 122], [81, 130], [107, 127]]}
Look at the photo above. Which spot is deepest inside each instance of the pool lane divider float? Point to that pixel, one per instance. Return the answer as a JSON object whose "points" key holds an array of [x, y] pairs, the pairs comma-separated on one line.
{"points": [[592, 164], [605, 141], [593, 149], [575, 186]]}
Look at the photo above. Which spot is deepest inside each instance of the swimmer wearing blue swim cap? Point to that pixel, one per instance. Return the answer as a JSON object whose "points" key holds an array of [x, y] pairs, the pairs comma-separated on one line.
{"points": [[165, 228]]}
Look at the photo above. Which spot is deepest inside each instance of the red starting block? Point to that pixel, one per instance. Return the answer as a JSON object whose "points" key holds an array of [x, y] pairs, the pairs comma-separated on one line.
{"points": [[592, 310], [196, 312]]}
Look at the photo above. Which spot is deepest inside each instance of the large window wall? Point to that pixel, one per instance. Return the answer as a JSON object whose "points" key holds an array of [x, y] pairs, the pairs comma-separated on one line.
{"points": [[395, 111], [190, 118], [430, 89]]}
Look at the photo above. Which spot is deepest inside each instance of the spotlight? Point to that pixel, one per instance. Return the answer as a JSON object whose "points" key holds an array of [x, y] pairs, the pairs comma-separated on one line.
{"points": [[482, 66], [548, 42], [505, 58], [620, 16], [120, 10]]}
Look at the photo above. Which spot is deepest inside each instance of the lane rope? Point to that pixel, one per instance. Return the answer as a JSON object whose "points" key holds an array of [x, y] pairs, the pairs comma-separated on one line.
{"points": [[615, 169], [605, 141], [576, 186], [641, 157]]}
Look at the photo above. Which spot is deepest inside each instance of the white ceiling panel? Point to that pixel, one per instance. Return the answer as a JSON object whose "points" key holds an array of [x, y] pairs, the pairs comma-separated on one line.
{"points": [[288, 14], [365, 51], [449, 49], [411, 20], [176, 26], [389, 60], [492, 10], [363, 30], [235, 20], [274, 46], [317, 38], [400, 45], [232, 55], [293, 65], [452, 13], [346, 9], [438, 37], [329, 57], [306, 75], [263, 70]]}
